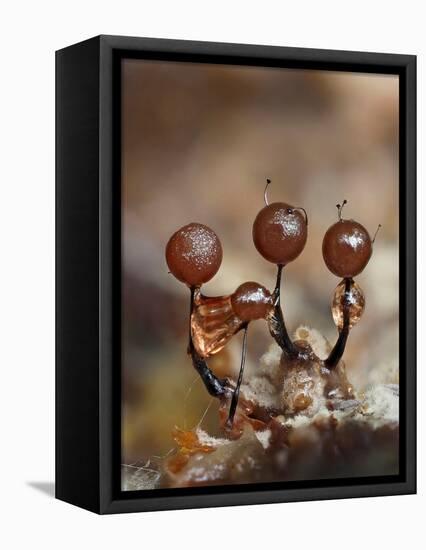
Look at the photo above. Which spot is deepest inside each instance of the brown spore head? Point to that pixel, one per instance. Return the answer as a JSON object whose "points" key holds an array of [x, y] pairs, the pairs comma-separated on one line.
{"points": [[251, 301], [346, 248], [194, 254], [280, 232]]}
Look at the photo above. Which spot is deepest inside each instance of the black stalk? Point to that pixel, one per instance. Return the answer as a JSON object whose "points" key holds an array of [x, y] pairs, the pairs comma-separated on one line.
{"points": [[236, 393], [276, 322], [339, 348]]}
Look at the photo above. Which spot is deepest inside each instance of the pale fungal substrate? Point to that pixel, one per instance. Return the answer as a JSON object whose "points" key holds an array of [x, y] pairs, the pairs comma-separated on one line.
{"points": [[337, 434], [137, 477]]}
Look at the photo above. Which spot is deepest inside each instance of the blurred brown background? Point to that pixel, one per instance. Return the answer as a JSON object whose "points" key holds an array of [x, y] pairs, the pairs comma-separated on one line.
{"points": [[198, 143]]}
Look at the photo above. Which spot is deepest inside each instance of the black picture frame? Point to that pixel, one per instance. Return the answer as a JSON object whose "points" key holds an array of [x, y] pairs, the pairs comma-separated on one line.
{"points": [[88, 265]]}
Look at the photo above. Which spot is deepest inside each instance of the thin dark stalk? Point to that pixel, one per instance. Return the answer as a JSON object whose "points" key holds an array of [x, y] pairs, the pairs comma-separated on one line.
{"points": [[339, 348], [277, 289], [191, 309], [276, 322], [236, 394]]}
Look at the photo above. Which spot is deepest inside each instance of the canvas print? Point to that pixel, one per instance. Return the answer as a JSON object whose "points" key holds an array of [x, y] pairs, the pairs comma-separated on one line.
{"points": [[260, 275]]}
